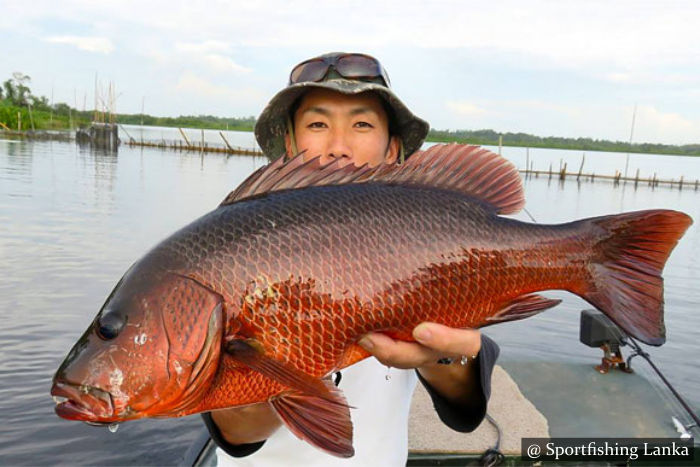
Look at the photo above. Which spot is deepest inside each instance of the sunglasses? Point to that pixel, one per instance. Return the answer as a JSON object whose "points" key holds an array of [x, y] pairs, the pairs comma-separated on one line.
{"points": [[350, 66]]}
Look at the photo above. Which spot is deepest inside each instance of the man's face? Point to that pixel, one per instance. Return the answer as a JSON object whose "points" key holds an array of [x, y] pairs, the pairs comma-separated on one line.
{"points": [[353, 128]]}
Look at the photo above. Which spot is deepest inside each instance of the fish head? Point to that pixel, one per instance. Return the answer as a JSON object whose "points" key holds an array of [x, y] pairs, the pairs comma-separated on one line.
{"points": [[152, 350]]}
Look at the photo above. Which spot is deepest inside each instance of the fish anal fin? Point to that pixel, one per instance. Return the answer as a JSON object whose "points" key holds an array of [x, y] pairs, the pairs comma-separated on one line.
{"points": [[323, 423], [353, 354], [250, 353], [523, 307]]}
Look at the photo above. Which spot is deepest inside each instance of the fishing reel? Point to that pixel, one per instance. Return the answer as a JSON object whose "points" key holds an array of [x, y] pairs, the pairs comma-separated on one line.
{"points": [[598, 331]]}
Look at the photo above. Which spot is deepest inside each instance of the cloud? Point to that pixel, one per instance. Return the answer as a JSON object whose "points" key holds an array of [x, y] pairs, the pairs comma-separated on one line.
{"points": [[199, 87], [211, 54], [88, 43], [203, 47], [222, 63], [465, 108], [658, 125]]}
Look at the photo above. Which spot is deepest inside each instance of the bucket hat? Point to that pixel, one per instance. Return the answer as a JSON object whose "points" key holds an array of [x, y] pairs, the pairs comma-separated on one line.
{"points": [[271, 125]]}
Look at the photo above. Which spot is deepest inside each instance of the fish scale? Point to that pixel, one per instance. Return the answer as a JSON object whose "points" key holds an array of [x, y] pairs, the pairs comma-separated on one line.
{"points": [[362, 287], [262, 298]]}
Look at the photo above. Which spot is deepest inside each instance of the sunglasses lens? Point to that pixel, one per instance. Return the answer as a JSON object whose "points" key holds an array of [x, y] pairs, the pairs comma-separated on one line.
{"points": [[309, 71], [358, 66]]}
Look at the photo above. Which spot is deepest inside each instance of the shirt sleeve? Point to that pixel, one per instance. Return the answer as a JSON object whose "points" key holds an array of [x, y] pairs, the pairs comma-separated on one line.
{"points": [[233, 450], [456, 417]]}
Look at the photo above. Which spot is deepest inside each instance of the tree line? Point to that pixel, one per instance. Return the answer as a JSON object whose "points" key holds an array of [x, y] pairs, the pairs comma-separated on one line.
{"points": [[18, 104], [492, 138]]}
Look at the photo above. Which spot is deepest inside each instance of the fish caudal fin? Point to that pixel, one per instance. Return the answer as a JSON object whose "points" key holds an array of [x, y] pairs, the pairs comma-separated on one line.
{"points": [[626, 282]]}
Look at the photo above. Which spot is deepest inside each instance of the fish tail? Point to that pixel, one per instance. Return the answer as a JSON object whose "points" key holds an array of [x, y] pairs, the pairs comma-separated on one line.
{"points": [[625, 281]]}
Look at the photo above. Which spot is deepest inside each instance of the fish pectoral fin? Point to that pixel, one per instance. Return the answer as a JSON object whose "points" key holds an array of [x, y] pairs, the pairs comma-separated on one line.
{"points": [[523, 307], [250, 353], [323, 423]]}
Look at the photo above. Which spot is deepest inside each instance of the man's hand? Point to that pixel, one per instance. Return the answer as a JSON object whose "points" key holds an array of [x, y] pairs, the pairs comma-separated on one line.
{"points": [[455, 382]]}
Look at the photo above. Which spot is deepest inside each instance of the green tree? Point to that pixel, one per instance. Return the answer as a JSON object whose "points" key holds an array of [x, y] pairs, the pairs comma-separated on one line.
{"points": [[9, 90]]}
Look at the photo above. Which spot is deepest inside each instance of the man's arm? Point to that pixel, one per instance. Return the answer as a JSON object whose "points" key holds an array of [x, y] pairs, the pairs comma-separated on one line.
{"points": [[244, 429]]}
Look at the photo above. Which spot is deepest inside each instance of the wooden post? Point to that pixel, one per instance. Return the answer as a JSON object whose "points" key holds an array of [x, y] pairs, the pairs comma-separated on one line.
{"points": [[562, 174], [202, 139], [31, 118], [185, 136], [550, 170], [527, 160], [636, 179], [680, 184], [580, 169], [225, 141]]}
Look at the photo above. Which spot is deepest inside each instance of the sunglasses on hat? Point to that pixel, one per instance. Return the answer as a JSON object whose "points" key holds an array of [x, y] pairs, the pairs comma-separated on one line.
{"points": [[347, 65]]}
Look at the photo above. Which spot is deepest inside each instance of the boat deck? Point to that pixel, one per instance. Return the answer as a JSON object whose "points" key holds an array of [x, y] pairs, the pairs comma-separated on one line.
{"points": [[543, 399]]}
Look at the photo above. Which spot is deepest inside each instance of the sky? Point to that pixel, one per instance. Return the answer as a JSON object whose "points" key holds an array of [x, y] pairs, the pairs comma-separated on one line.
{"points": [[549, 68]]}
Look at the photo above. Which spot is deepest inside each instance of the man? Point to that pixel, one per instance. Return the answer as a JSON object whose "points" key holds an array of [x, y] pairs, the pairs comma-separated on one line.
{"points": [[339, 106]]}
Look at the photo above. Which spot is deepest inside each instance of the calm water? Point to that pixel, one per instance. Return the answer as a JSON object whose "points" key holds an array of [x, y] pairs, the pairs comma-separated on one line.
{"points": [[73, 220]]}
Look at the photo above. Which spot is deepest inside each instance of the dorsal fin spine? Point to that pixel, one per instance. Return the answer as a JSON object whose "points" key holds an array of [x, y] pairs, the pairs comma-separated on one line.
{"points": [[470, 170]]}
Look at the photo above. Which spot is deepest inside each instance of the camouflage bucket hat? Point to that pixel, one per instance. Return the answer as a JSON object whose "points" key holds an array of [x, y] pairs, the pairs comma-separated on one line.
{"points": [[271, 126]]}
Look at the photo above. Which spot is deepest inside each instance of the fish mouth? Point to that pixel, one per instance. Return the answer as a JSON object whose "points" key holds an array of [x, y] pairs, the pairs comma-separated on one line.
{"points": [[83, 403]]}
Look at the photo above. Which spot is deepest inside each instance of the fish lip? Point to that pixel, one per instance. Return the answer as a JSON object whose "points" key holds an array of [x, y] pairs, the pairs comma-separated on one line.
{"points": [[84, 403]]}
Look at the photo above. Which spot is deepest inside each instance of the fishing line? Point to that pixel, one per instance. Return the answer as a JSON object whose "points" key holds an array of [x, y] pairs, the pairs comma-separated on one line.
{"points": [[528, 213], [493, 456]]}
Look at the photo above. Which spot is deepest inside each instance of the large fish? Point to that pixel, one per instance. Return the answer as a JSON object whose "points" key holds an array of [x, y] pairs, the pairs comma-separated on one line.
{"points": [[264, 297]]}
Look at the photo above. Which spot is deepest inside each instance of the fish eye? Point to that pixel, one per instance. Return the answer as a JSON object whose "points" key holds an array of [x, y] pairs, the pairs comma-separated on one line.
{"points": [[109, 325]]}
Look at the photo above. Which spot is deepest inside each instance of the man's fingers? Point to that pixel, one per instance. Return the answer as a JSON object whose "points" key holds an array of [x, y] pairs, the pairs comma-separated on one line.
{"points": [[448, 341], [396, 353]]}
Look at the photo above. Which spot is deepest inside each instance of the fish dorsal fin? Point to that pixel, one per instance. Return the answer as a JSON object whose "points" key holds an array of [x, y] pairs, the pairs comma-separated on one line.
{"points": [[295, 173], [471, 170], [467, 169]]}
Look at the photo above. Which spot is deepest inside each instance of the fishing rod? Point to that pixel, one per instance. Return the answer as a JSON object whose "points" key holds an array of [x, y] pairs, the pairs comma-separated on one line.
{"points": [[638, 351]]}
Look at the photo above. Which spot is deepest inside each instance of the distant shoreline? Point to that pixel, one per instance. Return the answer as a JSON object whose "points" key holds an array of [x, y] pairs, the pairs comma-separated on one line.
{"points": [[22, 111], [64, 118]]}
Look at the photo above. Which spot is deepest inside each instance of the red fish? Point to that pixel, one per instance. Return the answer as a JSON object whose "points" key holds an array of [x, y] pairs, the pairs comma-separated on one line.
{"points": [[264, 297]]}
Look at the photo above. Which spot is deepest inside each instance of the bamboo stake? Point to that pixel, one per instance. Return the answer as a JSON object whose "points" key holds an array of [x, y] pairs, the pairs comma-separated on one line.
{"points": [[185, 136], [527, 158], [225, 141], [580, 169]]}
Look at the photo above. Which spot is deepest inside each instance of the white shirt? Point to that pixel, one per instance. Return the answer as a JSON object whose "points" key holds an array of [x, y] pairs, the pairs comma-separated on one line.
{"points": [[382, 399]]}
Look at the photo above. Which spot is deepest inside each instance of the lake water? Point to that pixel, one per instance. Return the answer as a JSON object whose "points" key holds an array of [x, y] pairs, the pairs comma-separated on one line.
{"points": [[73, 220]]}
